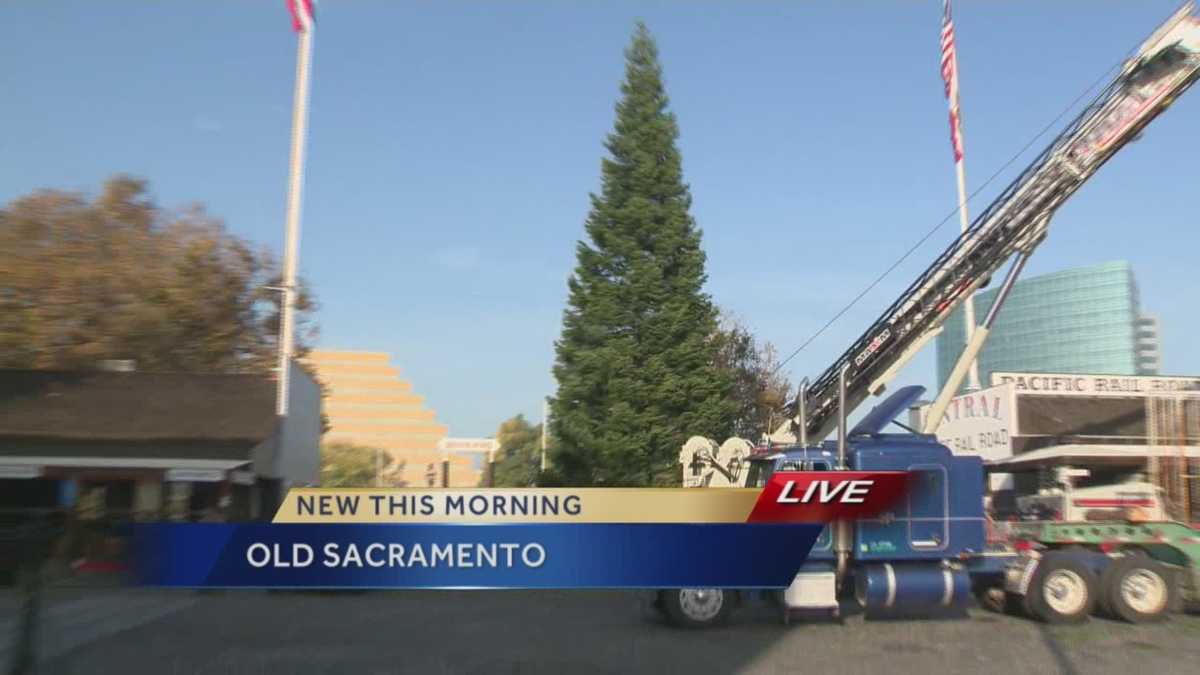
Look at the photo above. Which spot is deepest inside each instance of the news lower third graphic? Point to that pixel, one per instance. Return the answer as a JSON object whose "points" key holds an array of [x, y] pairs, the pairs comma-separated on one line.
{"points": [[518, 538]]}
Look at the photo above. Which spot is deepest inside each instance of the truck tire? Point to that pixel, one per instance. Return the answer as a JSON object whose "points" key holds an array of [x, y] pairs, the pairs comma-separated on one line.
{"points": [[991, 599], [1014, 605], [1138, 589], [1104, 602], [698, 607], [650, 605], [1063, 590]]}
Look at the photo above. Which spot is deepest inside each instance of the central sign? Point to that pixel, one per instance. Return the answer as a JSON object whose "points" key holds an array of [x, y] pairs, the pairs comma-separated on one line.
{"points": [[981, 423]]}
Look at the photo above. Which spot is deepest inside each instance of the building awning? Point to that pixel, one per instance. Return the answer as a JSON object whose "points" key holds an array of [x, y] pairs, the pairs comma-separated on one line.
{"points": [[1090, 454], [191, 470]]}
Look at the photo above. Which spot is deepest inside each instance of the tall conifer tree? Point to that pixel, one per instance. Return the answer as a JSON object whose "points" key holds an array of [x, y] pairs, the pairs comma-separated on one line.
{"points": [[636, 361]]}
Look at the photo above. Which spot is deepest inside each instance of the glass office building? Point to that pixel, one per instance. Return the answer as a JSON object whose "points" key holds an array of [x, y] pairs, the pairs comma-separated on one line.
{"points": [[1084, 320]]}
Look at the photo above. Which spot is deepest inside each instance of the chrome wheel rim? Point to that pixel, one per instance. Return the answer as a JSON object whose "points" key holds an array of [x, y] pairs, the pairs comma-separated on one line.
{"points": [[1065, 592], [1144, 591], [701, 604]]}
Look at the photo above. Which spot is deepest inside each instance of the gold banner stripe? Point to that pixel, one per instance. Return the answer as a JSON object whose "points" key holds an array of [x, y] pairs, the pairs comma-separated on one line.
{"points": [[517, 505]]}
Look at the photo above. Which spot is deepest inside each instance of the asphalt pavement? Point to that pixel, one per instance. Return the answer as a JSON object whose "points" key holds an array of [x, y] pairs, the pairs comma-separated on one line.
{"points": [[126, 631]]}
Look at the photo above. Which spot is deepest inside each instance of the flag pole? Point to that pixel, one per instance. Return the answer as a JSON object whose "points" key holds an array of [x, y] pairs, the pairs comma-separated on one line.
{"points": [[950, 75], [969, 305], [295, 187]]}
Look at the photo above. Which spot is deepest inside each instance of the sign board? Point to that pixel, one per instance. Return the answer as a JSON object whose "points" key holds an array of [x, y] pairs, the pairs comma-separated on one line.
{"points": [[194, 476], [981, 423], [19, 471], [1065, 384], [483, 446]]}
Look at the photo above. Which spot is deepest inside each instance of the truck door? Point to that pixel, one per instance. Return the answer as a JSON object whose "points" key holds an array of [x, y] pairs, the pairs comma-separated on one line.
{"points": [[928, 507]]}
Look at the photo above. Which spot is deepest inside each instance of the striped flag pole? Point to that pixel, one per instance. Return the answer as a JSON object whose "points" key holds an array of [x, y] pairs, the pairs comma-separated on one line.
{"points": [[303, 22], [950, 77]]}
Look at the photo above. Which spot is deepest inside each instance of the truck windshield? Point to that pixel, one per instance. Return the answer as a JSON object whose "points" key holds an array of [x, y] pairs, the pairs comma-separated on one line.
{"points": [[762, 469]]}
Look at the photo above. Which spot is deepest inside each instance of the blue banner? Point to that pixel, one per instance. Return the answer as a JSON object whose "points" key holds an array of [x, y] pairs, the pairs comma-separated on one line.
{"points": [[564, 556]]}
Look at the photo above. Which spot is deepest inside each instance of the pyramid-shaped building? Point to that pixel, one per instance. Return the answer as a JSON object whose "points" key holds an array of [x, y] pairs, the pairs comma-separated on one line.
{"points": [[368, 404]]}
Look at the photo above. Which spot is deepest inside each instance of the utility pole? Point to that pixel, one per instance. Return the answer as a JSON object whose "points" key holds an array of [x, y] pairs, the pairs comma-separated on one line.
{"points": [[303, 23], [491, 463], [545, 424]]}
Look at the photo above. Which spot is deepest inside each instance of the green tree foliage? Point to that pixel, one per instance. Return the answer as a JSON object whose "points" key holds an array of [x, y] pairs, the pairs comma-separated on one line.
{"points": [[118, 277], [519, 458], [348, 465], [636, 361], [759, 393]]}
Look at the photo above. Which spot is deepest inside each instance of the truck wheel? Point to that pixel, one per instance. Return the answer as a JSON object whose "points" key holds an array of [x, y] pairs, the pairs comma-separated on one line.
{"points": [[651, 605], [1014, 605], [1104, 602], [1138, 589], [698, 607], [1063, 591], [991, 599]]}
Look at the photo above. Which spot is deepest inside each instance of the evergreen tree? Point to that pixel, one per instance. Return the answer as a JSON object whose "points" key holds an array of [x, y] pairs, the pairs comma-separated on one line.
{"points": [[636, 361]]}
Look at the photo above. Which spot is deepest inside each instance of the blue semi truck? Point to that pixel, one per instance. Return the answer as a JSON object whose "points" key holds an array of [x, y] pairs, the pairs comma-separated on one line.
{"points": [[927, 554], [930, 553]]}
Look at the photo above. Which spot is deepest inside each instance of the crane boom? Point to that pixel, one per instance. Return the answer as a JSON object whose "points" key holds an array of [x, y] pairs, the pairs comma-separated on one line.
{"points": [[1149, 82]]}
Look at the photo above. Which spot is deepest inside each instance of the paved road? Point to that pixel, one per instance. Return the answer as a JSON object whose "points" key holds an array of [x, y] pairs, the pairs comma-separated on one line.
{"points": [[73, 618], [560, 632]]}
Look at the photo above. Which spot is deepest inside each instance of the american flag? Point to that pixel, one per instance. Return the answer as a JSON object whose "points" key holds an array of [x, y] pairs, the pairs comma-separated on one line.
{"points": [[950, 77], [303, 17]]}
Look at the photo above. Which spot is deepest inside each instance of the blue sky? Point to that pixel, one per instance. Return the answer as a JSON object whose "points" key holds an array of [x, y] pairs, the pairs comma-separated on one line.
{"points": [[453, 146]]}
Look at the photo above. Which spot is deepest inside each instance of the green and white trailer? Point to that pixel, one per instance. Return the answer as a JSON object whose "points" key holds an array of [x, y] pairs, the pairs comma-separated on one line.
{"points": [[1138, 571]]}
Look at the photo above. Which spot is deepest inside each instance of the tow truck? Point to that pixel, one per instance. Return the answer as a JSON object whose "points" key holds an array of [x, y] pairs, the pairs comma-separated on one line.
{"points": [[931, 552]]}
